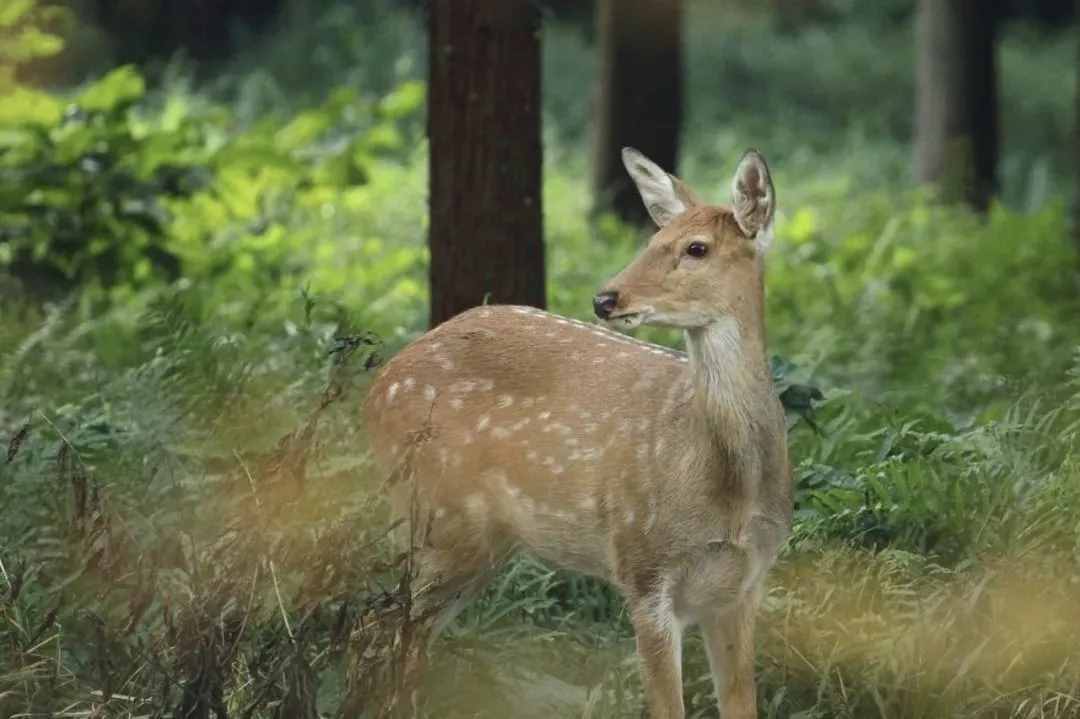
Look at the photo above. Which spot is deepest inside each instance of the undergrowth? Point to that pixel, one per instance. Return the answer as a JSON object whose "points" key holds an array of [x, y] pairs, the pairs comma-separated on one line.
{"points": [[188, 521]]}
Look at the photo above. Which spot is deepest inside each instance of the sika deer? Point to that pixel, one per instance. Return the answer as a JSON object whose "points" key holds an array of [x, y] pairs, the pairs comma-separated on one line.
{"points": [[665, 474]]}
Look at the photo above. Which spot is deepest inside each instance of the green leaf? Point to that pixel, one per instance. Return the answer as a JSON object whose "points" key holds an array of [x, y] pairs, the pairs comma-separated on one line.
{"points": [[11, 11], [405, 100], [29, 44], [122, 86], [25, 106]]}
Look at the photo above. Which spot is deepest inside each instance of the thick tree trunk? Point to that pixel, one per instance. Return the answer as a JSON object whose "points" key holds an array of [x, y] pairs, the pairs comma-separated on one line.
{"points": [[957, 118], [486, 233], [639, 102]]}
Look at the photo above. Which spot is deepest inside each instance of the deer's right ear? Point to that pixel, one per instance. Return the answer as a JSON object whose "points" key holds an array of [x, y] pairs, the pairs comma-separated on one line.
{"points": [[664, 196]]}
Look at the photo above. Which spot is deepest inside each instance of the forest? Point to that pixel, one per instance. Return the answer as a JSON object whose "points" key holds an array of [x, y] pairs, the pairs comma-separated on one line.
{"points": [[219, 218]]}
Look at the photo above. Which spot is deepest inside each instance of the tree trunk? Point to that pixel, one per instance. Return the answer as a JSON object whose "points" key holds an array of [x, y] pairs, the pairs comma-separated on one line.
{"points": [[486, 232], [639, 95], [956, 121]]}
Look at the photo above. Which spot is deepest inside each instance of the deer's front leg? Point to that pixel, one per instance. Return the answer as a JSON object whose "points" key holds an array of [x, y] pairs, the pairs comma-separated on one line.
{"points": [[729, 642], [659, 645]]}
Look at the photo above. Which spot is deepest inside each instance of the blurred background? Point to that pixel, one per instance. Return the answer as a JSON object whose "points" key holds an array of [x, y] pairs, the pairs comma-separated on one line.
{"points": [[217, 217]]}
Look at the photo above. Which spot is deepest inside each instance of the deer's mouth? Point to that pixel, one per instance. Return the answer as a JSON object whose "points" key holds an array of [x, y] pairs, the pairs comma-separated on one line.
{"points": [[626, 320]]}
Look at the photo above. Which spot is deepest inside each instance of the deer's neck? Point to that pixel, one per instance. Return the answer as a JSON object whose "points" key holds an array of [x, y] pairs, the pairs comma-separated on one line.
{"points": [[729, 375]]}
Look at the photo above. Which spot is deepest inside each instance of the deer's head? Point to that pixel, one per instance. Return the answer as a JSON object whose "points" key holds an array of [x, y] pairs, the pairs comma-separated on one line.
{"points": [[704, 262]]}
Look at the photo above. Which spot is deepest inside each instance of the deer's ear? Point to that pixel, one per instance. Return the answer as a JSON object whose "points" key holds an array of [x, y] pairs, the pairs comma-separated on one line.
{"points": [[753, 198], [664, 196]]}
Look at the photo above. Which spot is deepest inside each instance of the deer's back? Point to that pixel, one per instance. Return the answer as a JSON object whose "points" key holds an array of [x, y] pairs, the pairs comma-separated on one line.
{"points": [[521, 423]]}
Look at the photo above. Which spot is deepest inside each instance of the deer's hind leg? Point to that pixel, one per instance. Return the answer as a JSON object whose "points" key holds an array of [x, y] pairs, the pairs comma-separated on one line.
{"points": [[451, 562], [448, 559]]}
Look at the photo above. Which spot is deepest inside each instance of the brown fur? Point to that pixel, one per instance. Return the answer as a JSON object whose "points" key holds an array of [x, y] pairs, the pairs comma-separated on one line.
{"points": [[666, 475]]}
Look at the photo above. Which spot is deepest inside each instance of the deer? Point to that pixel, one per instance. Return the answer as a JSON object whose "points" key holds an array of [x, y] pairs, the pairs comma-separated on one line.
{"points": [[664, 473]]}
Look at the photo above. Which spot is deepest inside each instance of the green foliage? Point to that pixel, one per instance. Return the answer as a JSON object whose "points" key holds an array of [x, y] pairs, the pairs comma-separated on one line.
{"points": [[194, 516]]}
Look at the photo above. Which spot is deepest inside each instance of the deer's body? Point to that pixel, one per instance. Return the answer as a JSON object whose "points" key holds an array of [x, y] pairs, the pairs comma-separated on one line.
{"points": [[666, 474]]}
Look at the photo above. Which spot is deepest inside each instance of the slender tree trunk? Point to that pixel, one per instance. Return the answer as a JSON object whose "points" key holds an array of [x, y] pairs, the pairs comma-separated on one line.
{"points": [[639, 95], [486, 233], [957, 118]]}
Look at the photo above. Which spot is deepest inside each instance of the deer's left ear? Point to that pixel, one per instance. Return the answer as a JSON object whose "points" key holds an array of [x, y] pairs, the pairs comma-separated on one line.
{"points": [[753, 198]]}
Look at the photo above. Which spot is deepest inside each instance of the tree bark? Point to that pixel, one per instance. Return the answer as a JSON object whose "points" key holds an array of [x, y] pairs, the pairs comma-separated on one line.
{"points": [[639, 101], [957, 113], [486, 234]]}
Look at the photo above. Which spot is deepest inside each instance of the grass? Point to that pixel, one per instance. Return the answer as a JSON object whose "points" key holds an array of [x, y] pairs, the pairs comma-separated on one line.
{"points": [[189, 525]]}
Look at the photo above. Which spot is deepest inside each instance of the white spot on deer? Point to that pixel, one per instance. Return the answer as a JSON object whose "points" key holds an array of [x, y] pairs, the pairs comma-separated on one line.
{"points": [[475, 503], [408, 384], [485, 313], [598, 360], [486, 385], [589, 427], [482, 423], [531, 455], [456, 460], [435, 346], [467, 437], [549, 335], [456, 403], [504, 401], [541, 398], [571, 441], [543, 416], [585, 414], [500, 433], [629, 518], [520, 424], [592, 454], [463, 386], [557, 469], [527, 402], [429, 393], [392, 392], [622, 355], [522, 310], [440, 512], [394, 450], [444, 362], [588, 504], [658, 448]]}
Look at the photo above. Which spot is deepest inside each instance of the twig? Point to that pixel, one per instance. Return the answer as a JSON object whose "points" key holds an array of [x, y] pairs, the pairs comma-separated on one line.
{"points": [[251, 480], [281, 604]]}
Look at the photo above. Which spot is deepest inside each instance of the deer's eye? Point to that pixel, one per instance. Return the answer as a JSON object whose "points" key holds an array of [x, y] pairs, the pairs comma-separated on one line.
{"points": [[697, 249]]}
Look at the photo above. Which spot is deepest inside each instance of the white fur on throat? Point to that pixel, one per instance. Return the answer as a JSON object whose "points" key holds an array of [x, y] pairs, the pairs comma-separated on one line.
{"points": [[723, 378]]}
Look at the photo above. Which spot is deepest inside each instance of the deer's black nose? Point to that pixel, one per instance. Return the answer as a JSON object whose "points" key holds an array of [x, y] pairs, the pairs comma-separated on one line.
{"points": [[604, 304]]}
